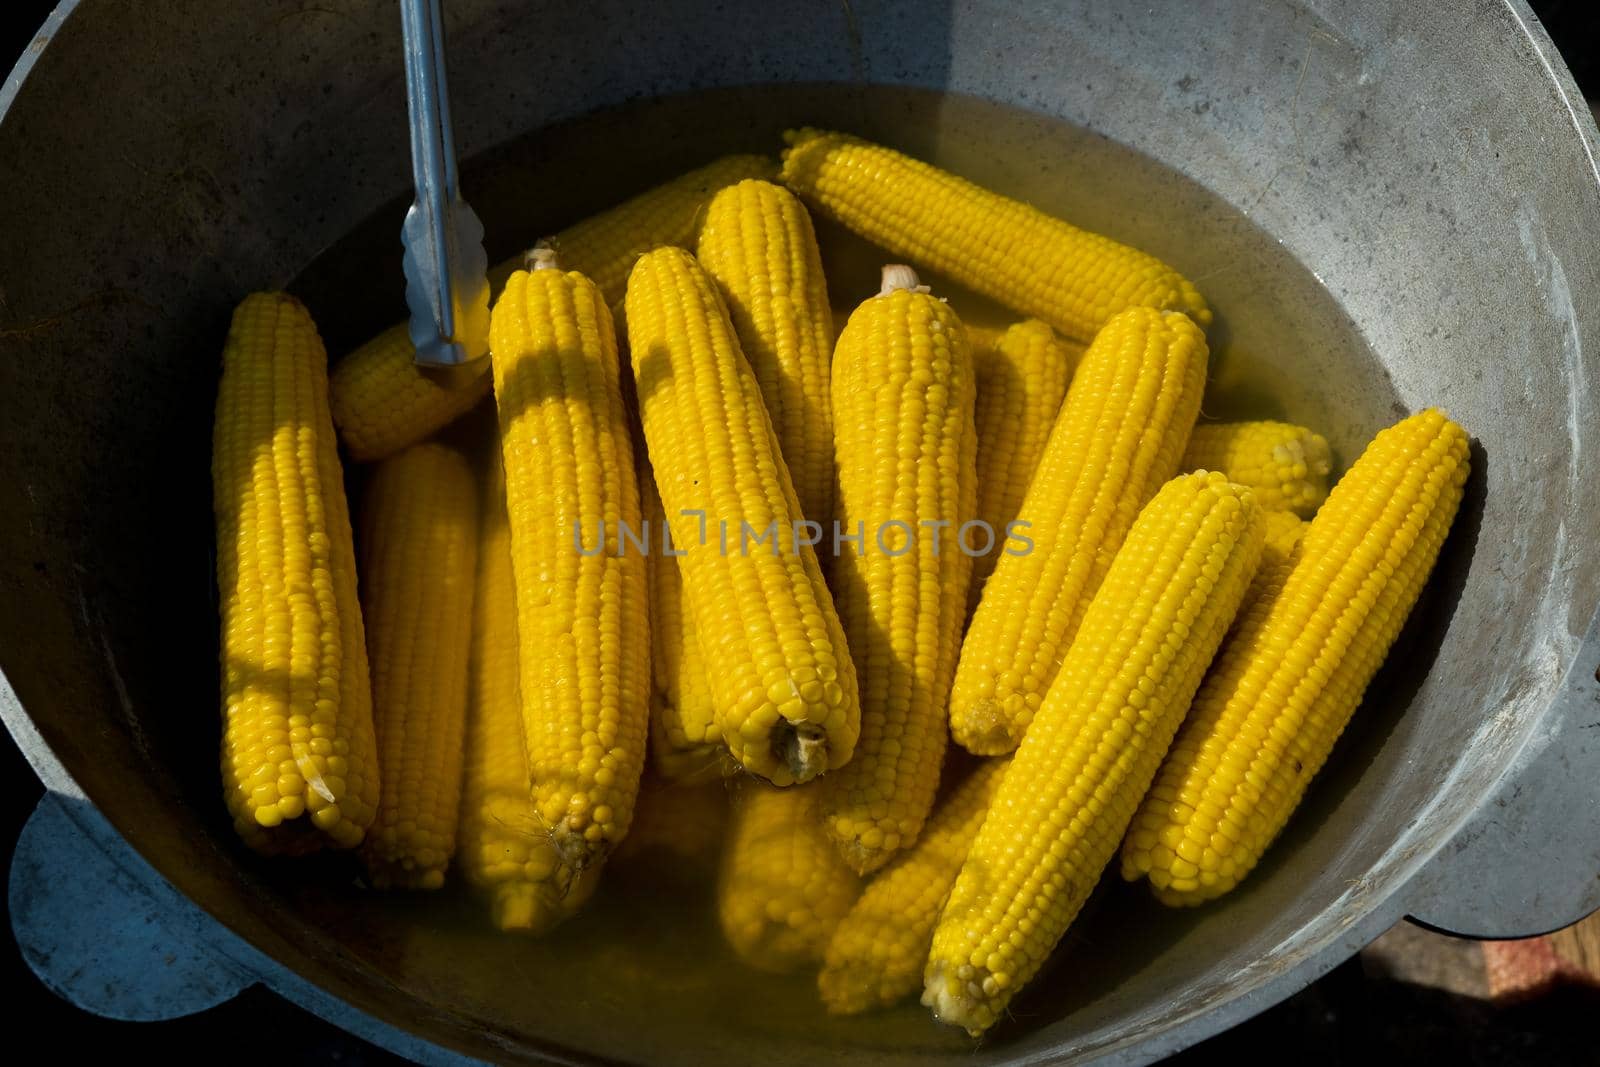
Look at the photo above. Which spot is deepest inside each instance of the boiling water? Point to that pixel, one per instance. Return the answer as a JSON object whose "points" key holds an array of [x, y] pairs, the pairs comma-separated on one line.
{"points": [[642, 974]]}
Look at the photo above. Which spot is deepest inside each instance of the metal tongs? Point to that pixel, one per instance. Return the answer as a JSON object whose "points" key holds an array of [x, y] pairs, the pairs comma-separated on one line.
{"points": [[447, 283]]}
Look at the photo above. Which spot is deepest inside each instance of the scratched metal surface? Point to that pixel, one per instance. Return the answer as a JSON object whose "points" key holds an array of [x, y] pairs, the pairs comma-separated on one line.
{"points": [[1453, 229]]}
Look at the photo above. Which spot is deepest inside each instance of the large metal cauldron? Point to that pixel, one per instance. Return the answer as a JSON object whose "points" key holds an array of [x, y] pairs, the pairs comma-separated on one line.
{"points": [[1431, 164]]}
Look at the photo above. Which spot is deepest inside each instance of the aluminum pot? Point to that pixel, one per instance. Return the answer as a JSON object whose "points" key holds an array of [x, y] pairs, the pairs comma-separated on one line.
{"points": [[1431, 166]]}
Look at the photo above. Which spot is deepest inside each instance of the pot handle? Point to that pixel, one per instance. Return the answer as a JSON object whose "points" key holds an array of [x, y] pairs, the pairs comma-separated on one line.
{"points": [[100, 936], [106, 932], [1528, 862]]}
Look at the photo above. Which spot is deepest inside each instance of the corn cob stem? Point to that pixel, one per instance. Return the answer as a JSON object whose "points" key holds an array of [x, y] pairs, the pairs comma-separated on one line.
{"points": [[782, 680], [419, 541], [1116, 440], [896, 277], [299, 759], [902, 403], [1294, 672], [1006, 250], [542, 256], [876, 956], [582, 615], [1076, 779]]}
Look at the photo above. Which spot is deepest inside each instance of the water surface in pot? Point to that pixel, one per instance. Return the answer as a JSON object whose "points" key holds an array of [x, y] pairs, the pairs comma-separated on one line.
{"points": [[642, 973]]}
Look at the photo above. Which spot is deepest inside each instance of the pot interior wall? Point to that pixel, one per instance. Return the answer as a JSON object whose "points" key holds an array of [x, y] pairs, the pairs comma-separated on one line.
{"points": [[1354, 281]]}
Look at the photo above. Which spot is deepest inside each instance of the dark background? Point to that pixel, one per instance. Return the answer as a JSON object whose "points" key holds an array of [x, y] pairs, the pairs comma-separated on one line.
{"points": [[1347, 1017]]}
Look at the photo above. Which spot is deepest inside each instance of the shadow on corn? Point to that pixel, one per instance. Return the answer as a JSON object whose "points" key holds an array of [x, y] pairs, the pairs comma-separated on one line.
{"points": [[536, 380], [1334, 799]]}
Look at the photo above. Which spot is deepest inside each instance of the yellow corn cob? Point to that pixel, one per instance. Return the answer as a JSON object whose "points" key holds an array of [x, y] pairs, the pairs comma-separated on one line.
{"points": [[1074, 783], [676, 823], [978, 337], [1295, 669], [698, 765], [1022, 376], [299, 760], [382, 401], [1006, 250], [758, 244], [1117, 438], [783, 887], [419, 542], [685, 739], [504, 848], [902, 403], [1287, 466], [781, 678], [1280, 551], [582, 609], [1284, 531], [606, 246], [840, 318], [876, 956]]}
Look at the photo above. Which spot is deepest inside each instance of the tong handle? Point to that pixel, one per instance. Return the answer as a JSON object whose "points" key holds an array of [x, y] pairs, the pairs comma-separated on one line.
{"points": [[441, 287], [433, 157]]}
